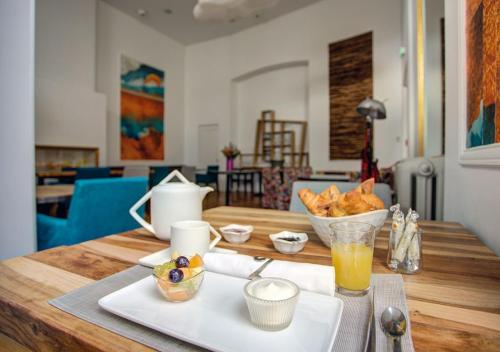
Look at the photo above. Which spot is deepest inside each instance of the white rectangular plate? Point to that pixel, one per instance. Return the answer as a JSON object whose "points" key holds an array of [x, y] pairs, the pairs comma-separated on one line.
{"points": [[217, 317], [163, 256]]}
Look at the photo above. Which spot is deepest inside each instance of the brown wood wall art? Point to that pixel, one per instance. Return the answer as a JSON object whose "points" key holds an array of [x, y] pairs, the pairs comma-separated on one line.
{"points": [[351, 80]]}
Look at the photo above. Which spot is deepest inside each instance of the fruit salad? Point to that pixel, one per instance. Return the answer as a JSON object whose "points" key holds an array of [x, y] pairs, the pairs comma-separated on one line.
{"points": [[179, 279]]}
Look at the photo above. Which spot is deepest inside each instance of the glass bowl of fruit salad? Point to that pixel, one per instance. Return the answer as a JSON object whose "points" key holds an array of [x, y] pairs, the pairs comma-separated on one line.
{"points": [[179, 279]]}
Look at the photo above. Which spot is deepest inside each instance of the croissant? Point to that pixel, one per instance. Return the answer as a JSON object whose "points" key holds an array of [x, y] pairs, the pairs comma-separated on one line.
{"points": [[375, 202], [366, 187], [331, 202], [332, 193], [335, 211], [315, 203], [352, 203]]}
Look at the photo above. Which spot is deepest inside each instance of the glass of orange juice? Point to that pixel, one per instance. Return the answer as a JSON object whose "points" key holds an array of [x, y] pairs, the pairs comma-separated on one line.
{"points": [[352, 256]]}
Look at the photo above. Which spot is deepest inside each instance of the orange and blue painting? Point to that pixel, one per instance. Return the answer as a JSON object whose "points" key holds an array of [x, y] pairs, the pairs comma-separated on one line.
{"points": [[483, 72], [142, 109]]}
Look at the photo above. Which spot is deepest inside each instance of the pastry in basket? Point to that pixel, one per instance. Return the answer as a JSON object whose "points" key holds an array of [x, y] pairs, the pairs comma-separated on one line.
{"points": [[317, 204], [332, 203]]}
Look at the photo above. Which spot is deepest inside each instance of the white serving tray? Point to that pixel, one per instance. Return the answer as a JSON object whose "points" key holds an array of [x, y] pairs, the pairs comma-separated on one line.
{"points": [[163, 256], [217, 317]]}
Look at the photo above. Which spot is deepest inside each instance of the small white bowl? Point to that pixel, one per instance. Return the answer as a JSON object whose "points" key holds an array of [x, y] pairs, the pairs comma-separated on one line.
{"points": [[235, 233], [288, 247]]}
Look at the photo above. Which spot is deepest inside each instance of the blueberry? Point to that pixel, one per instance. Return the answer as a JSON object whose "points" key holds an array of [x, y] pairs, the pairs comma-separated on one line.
{"points": [[182, 262], [175, 275]]}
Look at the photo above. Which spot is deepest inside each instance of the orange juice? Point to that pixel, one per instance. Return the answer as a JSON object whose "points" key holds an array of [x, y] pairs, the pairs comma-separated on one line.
{"points": [[353, 265]]}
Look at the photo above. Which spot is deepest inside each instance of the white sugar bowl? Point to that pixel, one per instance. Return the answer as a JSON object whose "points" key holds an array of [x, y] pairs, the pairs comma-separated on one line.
{"points": [[288, 242], [235, 233]]}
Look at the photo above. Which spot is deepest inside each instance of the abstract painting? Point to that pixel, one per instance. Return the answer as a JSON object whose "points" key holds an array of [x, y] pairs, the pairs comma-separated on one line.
{"points": [[351, 81], [141, 111], [482, 37]]}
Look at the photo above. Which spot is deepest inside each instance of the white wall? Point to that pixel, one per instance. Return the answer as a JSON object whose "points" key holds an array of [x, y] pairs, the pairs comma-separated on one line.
{"points": [[67, 108], [302, 35], [65, 41], [117, 34], [67, 114], [283, 89], [17, 201], [471, 193]]}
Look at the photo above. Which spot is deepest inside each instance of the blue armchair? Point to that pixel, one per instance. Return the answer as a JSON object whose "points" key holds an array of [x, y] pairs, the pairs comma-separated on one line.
{"points": [[92, 172], [98, 208], [158, 173], [211, 176]]}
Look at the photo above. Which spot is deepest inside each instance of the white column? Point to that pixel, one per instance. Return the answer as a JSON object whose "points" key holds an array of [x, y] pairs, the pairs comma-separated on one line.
{"points": [[17, 147]]}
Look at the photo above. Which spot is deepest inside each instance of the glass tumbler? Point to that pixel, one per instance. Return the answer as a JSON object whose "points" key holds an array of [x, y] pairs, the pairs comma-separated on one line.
{"points": [[352, 256], [404, 255]]}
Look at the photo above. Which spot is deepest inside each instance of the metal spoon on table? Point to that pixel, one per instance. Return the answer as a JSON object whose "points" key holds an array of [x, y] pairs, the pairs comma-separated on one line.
{"points": [[256, 273], [394, 324]]}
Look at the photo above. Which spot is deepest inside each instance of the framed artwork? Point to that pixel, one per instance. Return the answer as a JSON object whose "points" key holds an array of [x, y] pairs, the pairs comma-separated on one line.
{"points": [[141, 111], [479, 83], [350, 82]]}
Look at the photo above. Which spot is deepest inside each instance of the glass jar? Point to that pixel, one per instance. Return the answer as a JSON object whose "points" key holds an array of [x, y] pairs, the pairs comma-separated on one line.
{"points": [[405, 254]]}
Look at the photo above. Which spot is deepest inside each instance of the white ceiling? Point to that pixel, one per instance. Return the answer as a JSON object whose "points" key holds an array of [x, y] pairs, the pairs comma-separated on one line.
{"points": [[183, 28]]}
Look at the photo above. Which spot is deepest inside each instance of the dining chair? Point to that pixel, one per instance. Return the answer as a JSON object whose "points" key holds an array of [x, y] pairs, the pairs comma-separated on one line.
{"points": [[99, 207], [92, 172], [158, 173], [209, 177], [381, 189]]}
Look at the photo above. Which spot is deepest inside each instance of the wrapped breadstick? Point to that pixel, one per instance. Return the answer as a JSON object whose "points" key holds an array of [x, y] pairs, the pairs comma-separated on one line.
{"points": [[404, 255], [398, 223], [404, 242], [397, 228], [414, 250]]}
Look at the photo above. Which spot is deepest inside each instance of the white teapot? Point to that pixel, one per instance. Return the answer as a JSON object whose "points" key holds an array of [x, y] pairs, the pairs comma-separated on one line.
{"points": [[171, 202]]}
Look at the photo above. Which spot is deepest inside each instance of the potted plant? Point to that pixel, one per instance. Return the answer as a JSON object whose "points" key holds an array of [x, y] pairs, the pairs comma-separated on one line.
{"points": [[230, 151]]}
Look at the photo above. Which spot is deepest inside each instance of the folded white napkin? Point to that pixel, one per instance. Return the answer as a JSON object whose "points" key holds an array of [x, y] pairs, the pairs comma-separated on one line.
{"points": [[310, 277]]}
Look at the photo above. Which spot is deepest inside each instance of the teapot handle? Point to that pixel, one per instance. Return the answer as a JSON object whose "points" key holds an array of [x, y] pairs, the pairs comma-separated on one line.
{"points": [[216, 239], [133, 210]]}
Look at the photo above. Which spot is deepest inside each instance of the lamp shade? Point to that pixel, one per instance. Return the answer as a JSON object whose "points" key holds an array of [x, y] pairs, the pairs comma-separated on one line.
{"points": [[373, 108]]}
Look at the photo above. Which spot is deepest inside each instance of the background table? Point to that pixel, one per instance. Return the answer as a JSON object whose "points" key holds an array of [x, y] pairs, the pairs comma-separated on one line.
{"points": [[454, 303], [70, 174], [53, 193], [239, 173]]}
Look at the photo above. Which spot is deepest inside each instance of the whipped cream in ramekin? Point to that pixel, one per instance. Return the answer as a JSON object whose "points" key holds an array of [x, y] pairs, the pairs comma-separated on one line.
{"points": [[271, 302], [273, 290]]}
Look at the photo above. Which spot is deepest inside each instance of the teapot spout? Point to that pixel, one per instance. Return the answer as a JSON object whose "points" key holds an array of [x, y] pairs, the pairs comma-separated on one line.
{"points": [[204, 191]]}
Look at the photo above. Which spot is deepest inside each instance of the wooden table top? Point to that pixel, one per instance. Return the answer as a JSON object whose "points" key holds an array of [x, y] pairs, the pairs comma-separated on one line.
{"points": [[454, 303], [48, 193]]}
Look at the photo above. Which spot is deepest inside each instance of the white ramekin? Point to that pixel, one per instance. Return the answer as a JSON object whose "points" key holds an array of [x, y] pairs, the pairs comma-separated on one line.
{"points": [[270, 314]]}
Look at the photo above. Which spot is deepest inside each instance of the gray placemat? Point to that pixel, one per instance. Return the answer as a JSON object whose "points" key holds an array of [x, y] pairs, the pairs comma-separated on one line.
{"points": [[82, 303], [390, 291]]}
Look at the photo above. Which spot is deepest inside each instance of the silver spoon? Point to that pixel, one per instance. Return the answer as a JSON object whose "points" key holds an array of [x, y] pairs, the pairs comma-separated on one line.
{"points": [[394, 324], [256, 273]]}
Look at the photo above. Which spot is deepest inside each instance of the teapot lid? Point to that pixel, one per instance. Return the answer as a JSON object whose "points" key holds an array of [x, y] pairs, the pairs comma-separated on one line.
{"points": [[176, 186]]}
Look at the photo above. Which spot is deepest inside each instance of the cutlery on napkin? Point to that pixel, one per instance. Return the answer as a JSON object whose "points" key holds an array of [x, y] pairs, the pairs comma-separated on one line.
{"points": [[310, 277]]}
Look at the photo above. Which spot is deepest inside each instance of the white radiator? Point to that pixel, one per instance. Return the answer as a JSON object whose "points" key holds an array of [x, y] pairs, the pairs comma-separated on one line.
{"points": [[419, 184]]}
